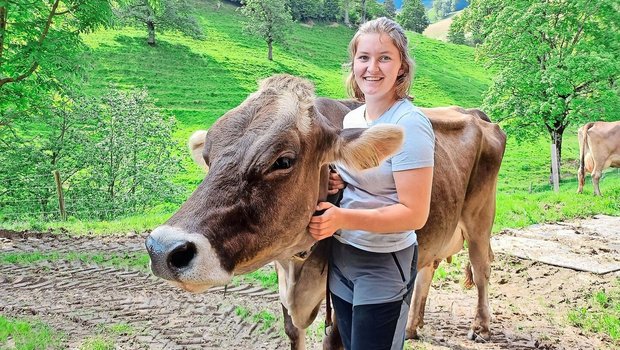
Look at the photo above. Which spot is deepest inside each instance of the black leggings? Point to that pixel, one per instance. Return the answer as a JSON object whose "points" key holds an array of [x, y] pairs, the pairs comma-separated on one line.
{"points": [[373, 326]]}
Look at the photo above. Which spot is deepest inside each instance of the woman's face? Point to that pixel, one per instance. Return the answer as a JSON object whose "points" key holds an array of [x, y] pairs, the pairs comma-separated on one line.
{"points": [[376, 66]]}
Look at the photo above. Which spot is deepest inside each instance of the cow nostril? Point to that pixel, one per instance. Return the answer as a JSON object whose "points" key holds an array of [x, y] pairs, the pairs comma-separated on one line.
{"points": [[182, 255]]}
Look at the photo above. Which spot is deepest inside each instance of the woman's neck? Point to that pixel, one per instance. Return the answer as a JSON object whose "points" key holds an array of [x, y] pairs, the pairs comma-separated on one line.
{"points": [[376, 108]]}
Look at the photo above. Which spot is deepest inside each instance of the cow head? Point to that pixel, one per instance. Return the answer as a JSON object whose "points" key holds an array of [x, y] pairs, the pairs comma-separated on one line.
{"points": [[266, 161]]}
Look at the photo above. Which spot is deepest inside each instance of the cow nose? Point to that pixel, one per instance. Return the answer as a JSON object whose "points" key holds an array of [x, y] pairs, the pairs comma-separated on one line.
{"points": [[181, 255], [169, 256]]}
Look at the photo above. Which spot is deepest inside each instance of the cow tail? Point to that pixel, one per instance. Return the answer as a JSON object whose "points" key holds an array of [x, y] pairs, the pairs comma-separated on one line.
{"points": [[468, 282], [582, 150]]}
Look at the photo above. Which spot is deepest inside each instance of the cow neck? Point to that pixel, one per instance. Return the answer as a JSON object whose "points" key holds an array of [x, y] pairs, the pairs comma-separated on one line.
{"points": [[323, 197]]}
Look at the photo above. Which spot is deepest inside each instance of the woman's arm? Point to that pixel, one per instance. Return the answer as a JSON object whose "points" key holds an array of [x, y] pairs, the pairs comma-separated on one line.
{"points": [[414, 193]]}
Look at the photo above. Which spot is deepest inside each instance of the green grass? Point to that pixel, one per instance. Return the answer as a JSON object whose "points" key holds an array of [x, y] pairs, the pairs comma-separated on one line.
{"points": [[265, 277], [242, 312], [98, 343], [601, 314], [119, 329], [139, 261], [198, 81], [26, 335], [266, 319], [450, 272], [524, 196]]}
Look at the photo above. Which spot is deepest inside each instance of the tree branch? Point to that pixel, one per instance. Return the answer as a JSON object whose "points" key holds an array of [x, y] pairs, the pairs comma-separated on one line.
{"points": [[25, 75], [42, 37], [75, 7]]}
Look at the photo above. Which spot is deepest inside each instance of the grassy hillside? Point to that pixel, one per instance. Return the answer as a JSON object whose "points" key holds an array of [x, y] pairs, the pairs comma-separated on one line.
{"points": [[198, 81]]}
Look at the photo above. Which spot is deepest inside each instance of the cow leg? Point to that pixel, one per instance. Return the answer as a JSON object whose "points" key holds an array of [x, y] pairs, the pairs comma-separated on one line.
{"points": [[581, 180], [415, 318], [480, 256], [297, 342], [332, 339], [596, 177]]}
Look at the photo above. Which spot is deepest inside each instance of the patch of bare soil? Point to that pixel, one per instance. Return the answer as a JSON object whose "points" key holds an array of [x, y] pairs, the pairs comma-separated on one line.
{"points": [[439, 30], [83, 300], [529, 303]]}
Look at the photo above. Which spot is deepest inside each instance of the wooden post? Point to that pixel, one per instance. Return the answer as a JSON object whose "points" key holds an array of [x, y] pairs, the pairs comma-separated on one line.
{"points": [[61, 198], [554, 168]]}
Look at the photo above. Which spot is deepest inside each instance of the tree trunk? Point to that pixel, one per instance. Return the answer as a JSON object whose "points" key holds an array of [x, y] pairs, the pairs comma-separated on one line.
{"points": [[363, 17], [346, 13], [3, 17], [270, 52], [151, 28], [556, 139]]}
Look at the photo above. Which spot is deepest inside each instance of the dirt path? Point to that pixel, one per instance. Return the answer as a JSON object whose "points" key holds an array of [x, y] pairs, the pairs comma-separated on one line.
{"points": [[529, 302]]}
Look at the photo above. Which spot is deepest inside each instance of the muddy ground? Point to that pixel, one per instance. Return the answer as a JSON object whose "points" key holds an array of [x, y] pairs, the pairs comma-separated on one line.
{"points": [[529, 303]]}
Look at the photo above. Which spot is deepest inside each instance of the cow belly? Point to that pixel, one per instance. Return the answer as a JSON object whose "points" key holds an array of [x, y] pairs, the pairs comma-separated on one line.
{"points": [[444, 249], [454, 245], [615, 161]]}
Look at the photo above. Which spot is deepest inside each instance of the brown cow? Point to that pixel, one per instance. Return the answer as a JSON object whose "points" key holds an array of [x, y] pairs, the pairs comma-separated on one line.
{"points": [[267, 169], [599, 148]]}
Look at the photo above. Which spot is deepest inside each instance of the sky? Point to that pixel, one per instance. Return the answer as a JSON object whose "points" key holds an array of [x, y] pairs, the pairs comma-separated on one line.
{"points": [[460, 4]]}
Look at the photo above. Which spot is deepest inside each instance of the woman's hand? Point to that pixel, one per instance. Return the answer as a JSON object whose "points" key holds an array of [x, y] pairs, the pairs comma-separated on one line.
{"points": [[335, 183], [323, 226]]}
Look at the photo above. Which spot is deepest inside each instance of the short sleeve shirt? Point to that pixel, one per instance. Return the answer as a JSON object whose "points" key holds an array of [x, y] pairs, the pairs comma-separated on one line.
{"points": [[374, 188]]}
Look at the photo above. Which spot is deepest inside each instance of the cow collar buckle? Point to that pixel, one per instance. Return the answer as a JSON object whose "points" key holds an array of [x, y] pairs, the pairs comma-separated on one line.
{"points": [[303, 255]]}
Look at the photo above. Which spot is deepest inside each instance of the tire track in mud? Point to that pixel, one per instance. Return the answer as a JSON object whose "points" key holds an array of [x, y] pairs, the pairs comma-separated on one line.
{"points": [[82, 299]]}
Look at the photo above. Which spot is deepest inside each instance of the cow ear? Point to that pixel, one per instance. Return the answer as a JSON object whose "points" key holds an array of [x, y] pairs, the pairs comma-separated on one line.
{"points": [[196, 145], [366, 148]]}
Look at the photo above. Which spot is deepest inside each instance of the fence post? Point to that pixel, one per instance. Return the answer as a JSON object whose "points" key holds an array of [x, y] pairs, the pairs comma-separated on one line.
{"points": [[61, 198], [554, 168]]}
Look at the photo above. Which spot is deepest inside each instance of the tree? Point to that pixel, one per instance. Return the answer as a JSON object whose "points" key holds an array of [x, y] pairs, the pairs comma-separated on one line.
{"points": [[443, 7], [114, 155], [42, 37], [345, 7], [456, 35], [331, 10], [374, 10], [130, 157], [269, 19], [557, 63], [163, 14], [390, 8], [413, 16], [363, 11], [303, 10]]}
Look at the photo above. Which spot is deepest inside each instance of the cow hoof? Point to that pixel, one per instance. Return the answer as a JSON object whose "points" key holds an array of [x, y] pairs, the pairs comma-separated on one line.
{"points": [[478, 337], [412, 334]]}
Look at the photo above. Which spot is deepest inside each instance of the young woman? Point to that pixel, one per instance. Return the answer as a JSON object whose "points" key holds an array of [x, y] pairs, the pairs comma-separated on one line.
{"points": [[374, 255]]}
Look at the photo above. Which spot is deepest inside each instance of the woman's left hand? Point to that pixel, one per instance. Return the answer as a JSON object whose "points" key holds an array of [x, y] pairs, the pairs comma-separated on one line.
{"points": [[324, 226]]}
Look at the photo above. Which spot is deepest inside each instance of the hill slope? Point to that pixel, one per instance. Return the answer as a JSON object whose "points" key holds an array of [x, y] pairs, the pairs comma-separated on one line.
{"points": [[198, 81]]}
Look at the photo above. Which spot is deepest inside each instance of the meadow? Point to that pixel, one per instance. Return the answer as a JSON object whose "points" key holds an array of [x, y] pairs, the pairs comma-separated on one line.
{"points": [[197, 81]]}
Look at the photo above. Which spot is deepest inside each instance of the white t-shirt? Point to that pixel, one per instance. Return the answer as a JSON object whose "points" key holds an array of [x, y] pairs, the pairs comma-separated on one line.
{"points": [[375, 188]]}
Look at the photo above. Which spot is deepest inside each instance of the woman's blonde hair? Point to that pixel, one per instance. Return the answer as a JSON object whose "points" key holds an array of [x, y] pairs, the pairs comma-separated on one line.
{"points": [[392, 29]]}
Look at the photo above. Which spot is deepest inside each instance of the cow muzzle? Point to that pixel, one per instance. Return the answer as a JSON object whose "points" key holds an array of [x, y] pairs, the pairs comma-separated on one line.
{"points": [[186, 259]]}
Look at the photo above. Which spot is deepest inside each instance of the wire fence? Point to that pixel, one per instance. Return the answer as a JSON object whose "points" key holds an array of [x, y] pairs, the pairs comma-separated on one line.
{"points": [[45, 198]]}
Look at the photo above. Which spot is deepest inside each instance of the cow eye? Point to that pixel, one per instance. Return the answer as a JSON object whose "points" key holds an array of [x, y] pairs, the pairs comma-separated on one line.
{"points": [[283, 163]]}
